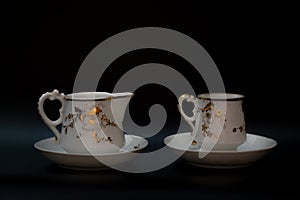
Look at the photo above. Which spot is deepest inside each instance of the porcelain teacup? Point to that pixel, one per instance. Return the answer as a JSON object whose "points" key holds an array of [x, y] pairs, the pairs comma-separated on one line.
{"points": [[218, 119], [91, 121]]}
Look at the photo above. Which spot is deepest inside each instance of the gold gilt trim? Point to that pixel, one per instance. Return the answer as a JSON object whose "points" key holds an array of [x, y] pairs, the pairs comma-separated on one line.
{"points": [[96, 99], [238, 98]]}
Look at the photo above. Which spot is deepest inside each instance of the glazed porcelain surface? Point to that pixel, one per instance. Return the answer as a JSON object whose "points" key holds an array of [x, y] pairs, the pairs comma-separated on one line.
{"points": [[91, 121], [80, 161], [217, 117], [252, 150]]}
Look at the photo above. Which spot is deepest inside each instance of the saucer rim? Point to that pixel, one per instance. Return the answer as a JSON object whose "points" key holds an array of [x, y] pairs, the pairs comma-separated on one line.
{"points": [[224, 151], [145, 144]]}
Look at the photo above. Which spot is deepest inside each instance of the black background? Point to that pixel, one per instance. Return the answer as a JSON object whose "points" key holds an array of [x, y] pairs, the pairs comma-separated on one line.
{"points": [[254, 47]]}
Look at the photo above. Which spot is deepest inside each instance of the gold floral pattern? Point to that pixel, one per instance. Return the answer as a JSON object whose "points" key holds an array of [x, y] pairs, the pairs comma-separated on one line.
{"points": [[91, 118], [209, 106], [240, 128], [102, 139], [209, 115]]}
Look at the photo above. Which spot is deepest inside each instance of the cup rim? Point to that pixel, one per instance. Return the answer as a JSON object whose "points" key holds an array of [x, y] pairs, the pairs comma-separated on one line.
{"points": [[96, 96], [221, 96]]}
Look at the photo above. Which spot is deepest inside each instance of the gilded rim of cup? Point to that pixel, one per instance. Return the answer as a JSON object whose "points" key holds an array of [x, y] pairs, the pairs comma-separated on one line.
{"points": [[70, 98], [221, 96]]}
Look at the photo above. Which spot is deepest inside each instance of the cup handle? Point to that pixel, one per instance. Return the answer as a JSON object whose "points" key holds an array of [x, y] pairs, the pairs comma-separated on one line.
{"points": [[55, 95], [188, 98]]}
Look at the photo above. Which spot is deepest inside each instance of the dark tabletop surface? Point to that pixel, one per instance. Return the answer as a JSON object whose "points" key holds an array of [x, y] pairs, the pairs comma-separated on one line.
{"points": [[26, 174]]}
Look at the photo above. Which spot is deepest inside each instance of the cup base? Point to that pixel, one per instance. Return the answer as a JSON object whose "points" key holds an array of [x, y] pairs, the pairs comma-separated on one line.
{"points": [[224, 148], [217, 147]]}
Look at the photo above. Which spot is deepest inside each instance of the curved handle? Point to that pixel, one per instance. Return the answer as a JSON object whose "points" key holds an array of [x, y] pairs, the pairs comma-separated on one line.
{"points": [[55, 95], [188, 98]]}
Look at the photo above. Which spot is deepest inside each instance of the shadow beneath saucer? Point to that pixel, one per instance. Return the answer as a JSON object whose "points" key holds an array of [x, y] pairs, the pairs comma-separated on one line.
{"points": [[223, 177], [70, 176]]}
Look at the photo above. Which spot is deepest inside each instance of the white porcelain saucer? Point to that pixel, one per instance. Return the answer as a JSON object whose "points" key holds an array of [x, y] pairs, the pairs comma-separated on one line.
{"points": [[54, 152], [252, 150]]}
